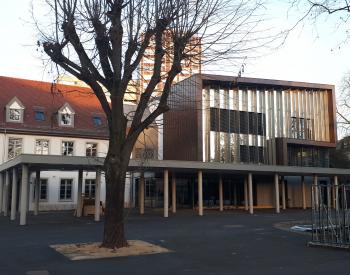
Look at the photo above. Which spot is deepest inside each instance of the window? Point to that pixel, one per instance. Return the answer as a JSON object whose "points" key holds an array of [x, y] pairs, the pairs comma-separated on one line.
{"points": [[301, 128], [42, 147], [294, 127], [97, 121], [14, 111], [39, 115], [15, 114], [66, 116], [145, 153], [91, 149], [66, 189], [43, 189], [67, 148], [89, 190], [66, 119], [14, 147]]}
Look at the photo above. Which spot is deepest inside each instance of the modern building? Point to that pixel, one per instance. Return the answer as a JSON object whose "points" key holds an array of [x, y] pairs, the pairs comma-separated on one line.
{"points": [[344, 145], [248, 121]]}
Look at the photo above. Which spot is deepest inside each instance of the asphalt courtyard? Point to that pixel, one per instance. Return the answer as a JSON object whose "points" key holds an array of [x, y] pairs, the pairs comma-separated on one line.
{"points": [[232, 242]]}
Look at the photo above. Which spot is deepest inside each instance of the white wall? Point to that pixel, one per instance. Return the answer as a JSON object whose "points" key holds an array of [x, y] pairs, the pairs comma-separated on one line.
{"points": [[54, 177], [53, 180], [28, 144]]}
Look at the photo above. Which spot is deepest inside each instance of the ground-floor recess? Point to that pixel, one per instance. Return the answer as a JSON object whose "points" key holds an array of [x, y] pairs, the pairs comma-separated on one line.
{"points": [[222, 192]]}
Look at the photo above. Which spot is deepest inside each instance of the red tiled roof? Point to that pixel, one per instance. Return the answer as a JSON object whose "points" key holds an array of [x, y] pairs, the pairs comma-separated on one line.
{"points": [[36, 94]]}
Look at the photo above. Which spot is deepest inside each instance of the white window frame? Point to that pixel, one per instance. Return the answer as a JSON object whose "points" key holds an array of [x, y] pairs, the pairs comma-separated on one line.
{"points": [[40, 151], [66, 110], [65, 192], [15, 105], [62, 150], [90, 149], [88, 182], [47, 190], [15, 150]]}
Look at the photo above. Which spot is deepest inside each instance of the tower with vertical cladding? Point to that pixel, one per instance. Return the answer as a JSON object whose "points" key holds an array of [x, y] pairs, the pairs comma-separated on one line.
{"points": [[215, 118]]}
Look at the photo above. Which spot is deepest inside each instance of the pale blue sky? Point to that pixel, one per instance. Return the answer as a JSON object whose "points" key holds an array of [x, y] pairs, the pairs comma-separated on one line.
{"points": [[306, 56]]}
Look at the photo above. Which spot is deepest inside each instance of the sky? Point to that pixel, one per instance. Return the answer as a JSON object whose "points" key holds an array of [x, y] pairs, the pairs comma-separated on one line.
{"points": [[311, 53]]}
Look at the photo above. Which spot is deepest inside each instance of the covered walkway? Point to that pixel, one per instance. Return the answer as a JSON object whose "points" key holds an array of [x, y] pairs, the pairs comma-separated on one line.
{"points": [[18, 170]]}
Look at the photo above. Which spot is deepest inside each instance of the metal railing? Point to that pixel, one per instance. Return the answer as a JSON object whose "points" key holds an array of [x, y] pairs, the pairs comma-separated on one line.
{"points": [[330, 215]]}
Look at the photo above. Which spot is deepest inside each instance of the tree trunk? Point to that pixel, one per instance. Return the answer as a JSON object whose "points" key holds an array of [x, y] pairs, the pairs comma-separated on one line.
{"points": [[114, 235]]}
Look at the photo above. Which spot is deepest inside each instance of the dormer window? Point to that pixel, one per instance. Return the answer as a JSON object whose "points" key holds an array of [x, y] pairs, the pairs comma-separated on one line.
{"points": [[39, 115], [66, 115], [14, 111], [97, 121]]}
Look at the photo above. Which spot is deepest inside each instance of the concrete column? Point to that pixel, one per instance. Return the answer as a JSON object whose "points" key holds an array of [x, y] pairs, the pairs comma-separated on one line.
{"points": [[200, 193], [14, 195], [142, 194], [315, 188], [166, 193], [283, 185], [246, 207], [336, 193], [250, 192], [24, 195], [79, 195], [6, 193], [277, 194], [303, 191], [37, 192], [173, 193], [235, 194], [1, 190], [97, 194], [221, 194]]}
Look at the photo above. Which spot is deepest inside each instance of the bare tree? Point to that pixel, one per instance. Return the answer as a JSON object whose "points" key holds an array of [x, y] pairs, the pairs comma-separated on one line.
{"points": [[317, 7], [313, 11], [101, 42], [343, 106]]}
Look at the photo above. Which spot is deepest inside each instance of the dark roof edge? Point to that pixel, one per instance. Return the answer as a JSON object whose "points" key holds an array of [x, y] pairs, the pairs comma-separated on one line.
{"points": [[262, 81]]}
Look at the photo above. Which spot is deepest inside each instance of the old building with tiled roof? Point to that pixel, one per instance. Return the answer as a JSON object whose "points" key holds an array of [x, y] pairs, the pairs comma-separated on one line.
{"points": [[55, 119]]}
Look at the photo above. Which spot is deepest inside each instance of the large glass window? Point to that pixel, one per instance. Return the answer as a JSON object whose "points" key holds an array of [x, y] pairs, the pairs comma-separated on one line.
{"points": [[14, 147], [66, 189], [309, 156], [91, 149], [90, 187], [42, 147], [67, 148]]}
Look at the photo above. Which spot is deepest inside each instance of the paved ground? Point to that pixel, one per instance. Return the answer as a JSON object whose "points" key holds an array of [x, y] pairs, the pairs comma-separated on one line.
{"points": [[232, 242]]}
